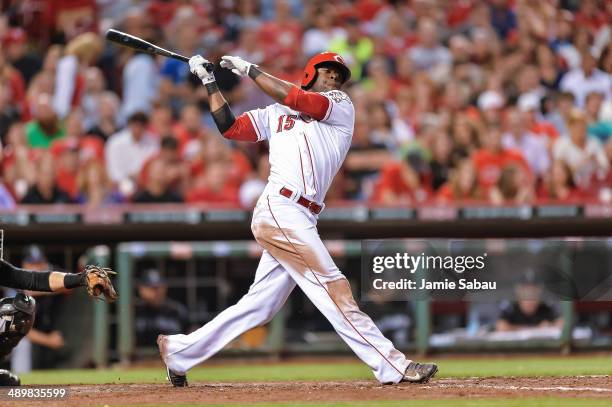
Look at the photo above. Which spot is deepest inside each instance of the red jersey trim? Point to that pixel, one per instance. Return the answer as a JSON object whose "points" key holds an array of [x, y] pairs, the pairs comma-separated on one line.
{"points": [[242, 130]]}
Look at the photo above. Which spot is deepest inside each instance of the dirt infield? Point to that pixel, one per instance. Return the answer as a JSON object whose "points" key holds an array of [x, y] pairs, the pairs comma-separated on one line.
{"points": [[245, 393]]}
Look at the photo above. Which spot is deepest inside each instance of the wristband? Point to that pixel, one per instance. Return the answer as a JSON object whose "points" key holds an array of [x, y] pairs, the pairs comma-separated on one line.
{"points": [[211, 88], [72, 280], [254, 72]]}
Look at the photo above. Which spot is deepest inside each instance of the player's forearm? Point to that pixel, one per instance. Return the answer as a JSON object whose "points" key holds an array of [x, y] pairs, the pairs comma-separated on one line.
{"points": [[311, 103], [46, 281], [277, 89], [219, 108]]}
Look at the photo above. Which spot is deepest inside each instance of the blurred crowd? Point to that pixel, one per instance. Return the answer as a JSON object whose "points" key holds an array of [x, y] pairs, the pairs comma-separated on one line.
{"points": [[498, 101]]}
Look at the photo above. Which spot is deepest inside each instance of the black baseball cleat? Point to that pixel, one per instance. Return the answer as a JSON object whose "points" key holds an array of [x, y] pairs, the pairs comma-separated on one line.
{"points": [[177, 380], [9, 379], [420, 372]]}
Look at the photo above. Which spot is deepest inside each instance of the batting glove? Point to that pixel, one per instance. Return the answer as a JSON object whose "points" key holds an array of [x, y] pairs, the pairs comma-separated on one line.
{"points": [[236, 64], [196, 66]]}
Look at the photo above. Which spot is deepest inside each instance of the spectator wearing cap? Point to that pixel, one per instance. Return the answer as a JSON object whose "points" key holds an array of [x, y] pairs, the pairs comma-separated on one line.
{"points": [[491, 103], [529, 105], [128, 150], [583, 155], [45, 189], [155, 313], [45, 126], [14, 44], [586, 79], [80, 53]]}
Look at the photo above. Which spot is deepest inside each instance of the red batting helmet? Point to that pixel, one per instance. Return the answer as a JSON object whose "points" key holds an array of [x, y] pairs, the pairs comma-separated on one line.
{"points": [[310, 71]]}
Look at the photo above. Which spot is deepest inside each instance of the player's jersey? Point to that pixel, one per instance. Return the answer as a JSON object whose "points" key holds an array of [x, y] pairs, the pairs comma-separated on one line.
{"points": [[306, 154]]}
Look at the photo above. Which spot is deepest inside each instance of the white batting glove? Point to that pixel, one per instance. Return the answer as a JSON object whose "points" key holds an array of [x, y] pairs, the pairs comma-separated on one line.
{"points": [[236, 64], [196, 66]]}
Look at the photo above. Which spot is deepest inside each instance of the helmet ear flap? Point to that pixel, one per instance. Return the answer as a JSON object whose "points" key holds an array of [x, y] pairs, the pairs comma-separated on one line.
{"points": [[310, 76]]}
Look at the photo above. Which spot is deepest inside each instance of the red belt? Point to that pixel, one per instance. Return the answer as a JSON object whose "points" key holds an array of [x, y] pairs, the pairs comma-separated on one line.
{"points": [[312, 206]]}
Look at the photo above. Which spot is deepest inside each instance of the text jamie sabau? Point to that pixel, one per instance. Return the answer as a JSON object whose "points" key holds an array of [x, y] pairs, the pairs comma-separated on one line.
{"points": [[411, 264]]}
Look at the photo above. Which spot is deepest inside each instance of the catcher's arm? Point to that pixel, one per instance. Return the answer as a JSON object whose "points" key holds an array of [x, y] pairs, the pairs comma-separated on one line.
{"points": [[96, 279]]}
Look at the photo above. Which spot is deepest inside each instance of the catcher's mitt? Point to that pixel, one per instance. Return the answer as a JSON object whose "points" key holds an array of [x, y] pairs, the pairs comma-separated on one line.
{"points": [[98, 282]]}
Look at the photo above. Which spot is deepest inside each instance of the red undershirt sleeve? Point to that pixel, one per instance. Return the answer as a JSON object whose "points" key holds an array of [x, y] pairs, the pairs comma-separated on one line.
{"points": [[313, 104], [242, 129]]}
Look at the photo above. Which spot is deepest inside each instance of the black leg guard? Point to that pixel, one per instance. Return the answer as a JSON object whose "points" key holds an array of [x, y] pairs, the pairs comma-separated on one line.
{"points": [[16, 320]]}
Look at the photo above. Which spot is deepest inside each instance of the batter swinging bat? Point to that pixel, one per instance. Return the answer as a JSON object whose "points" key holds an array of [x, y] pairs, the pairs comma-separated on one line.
{"points": [[139, 44]]}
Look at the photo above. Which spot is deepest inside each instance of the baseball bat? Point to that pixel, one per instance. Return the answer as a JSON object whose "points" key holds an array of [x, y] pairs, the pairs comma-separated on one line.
{"points": [[139, 44]]}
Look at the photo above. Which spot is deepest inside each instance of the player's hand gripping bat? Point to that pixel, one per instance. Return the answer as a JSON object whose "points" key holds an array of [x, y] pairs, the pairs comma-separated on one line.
{"points": [[139, 44]]}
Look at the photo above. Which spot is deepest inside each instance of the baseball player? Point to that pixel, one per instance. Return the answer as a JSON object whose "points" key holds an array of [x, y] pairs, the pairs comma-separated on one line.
{"points": [[309, 131], [17, 313]]}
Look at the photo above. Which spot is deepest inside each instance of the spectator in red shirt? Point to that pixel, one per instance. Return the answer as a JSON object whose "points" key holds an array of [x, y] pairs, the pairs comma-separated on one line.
{"points": [[462, 185], [529, 105], [67, 159], [177, 171], [213, 186], [15, 44], [513, 186], [559, 185], [281, 38], [399, 183], [491, 158], [12, 78], [189, 129], [215, 149], [592, 16]]}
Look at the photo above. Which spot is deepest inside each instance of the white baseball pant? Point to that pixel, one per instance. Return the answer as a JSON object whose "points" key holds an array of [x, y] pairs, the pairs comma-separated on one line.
{"points": [[293, 254]]}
